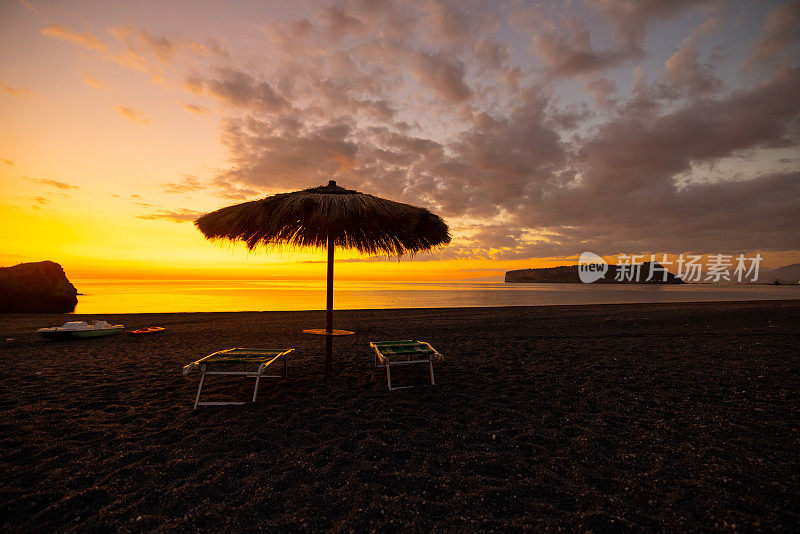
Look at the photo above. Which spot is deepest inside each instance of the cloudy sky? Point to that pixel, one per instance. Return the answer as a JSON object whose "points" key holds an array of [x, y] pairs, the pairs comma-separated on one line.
{"points": [[537, 130]]}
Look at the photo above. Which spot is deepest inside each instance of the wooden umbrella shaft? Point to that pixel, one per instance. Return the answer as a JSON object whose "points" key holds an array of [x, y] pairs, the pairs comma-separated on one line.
{"points": [[329, 311]]}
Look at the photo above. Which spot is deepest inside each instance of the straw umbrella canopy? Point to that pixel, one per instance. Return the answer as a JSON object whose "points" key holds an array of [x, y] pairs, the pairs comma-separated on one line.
{"points": [[328, 216]]}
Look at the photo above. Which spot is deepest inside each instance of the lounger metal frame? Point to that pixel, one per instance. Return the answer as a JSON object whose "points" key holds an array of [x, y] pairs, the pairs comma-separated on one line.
{"points": [[387, 360], [258, 373]]}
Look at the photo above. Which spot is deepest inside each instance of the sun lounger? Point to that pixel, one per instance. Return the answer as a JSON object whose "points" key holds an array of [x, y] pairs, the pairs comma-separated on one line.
{"points": [[223, 362], [406, 352]]}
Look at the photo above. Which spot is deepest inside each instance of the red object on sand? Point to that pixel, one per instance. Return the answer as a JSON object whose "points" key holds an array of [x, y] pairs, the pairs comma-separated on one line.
{"points": [[148, 330]]}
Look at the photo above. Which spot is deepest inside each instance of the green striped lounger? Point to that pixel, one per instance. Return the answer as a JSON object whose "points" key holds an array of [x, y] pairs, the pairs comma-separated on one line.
{"points": [[405, 352], [223, 362]]}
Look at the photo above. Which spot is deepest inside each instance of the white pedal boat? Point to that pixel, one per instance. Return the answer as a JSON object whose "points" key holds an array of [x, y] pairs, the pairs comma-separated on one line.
{"points": [[81, 329]]}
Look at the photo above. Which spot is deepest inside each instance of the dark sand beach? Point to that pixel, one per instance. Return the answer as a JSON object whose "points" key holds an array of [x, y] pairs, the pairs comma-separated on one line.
{"points": [[601, 418]]}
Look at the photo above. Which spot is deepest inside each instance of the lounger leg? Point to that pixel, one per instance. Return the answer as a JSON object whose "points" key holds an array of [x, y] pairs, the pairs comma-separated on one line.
{"points": [[389, 376], [433, 382], [285, 369], [255, 389], [200, 388]]}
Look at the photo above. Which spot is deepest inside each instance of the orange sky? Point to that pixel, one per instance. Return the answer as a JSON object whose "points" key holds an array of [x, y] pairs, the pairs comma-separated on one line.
{"points": [[116, 134], [80, 172]]}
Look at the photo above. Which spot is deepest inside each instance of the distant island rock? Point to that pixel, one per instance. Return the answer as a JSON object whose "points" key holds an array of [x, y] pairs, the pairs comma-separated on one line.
{"points": [[568, 274], [40, 287], [788, 274]]}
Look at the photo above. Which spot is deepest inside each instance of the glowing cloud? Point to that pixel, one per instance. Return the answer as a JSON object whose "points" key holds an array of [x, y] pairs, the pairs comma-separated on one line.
{"points": [[135, 115], [85, 40], [194, 108], [15, 91], [53, 183], [180, 215], [97, 84]]}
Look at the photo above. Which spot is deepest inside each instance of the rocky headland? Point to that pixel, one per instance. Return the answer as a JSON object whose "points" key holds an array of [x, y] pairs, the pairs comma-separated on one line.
{"points": [[39, 287], [568, 274]]}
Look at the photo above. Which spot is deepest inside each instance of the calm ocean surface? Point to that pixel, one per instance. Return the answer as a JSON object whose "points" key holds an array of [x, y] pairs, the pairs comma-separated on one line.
{"points": [[167, 296]]}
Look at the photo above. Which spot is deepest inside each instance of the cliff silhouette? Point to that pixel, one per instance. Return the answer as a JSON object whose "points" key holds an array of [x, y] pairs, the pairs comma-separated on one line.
{"points": [[568, 274], [39, 287]]}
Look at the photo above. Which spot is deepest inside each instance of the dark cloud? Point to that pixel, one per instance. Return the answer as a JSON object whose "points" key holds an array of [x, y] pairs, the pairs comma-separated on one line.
{"points": [[622, 194], [571, 53], [338, 23], [490, 54], [445, 76], [780, 32], [640, 151], [448, 23], [753, 215], [601, 89], [285, 155], [688, 74], [239, 89], [631, 18], [429, 105], [566, 47]]}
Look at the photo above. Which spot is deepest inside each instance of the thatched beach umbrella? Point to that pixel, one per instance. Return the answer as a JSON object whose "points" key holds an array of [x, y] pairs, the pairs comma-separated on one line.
{"points": [[328, 216]]}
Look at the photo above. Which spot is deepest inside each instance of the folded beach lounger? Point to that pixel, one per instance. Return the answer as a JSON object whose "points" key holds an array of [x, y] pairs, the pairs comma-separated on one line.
{"points": [[406, 352], [224, 362]]}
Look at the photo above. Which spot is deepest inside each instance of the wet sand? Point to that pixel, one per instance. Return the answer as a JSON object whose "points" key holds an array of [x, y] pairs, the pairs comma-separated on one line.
{"points": [[643, 417]]}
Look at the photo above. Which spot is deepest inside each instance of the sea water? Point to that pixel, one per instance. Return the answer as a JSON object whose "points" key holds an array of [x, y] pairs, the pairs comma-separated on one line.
{"points": [[170, 296]]}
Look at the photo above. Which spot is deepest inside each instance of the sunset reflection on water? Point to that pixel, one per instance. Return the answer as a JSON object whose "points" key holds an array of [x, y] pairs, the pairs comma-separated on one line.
{"points": [[168, 296]]}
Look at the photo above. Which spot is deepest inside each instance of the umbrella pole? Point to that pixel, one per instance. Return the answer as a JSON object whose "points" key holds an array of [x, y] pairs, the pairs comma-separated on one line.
{"points": [[329, 311]]}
